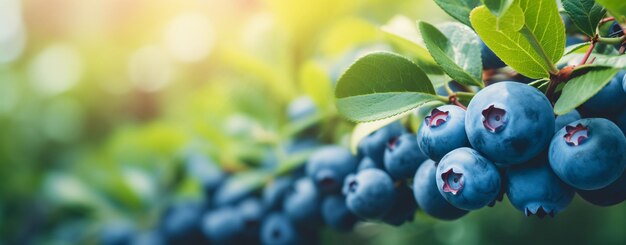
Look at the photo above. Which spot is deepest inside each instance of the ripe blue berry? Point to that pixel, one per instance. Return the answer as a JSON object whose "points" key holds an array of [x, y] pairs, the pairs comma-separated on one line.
{"points": [[535, 190], [181, 224], [336, 215], [232, 191], [615, 30], [274, 192], [467, 180], [490, 59], [404, 207], [562, 120], [442, 131], [374, 144], [223, 225], [117, 233], [302, 203], [610, 99], [610, 195], [329, 165], [206, 172], [369, 193], [277, 229], [366, 163], [509, 122], [427, 194], [403, 156], [252, 211], [588, 154]]}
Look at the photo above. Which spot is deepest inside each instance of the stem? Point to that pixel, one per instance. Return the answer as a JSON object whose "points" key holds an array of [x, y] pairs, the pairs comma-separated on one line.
{"points": [[607, 19], [612, 40], [530, 37], [455, 100], [589, 50], [554, 81]]}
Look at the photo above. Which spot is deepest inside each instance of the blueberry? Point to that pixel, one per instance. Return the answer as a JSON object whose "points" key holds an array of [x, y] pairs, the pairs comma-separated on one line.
{"points": [[404, 207], [251, 210], [336, 215], [509, 122], [232, 191], [562, 120], [301, 145], [610, 195], [588, 154], [442, 131], [301, 108], [302, 203], [277, 229], [535, 190], [117, 233], [369, 194], [329, 165], [274, 192], [490, 59], [366, 163], [374, 144], [615, 30], [223, 226], [572, 40], [403, 156], [426, 193], [148, 238], [181, 224], [206, 172], [610, 99], [467, 180]]}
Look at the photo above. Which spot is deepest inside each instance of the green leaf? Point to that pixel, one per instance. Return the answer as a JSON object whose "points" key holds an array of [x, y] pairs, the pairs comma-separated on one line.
{"points": [[396, 33], [498, 7], [529, 37], [616, 7], [381, 85], [458, 54], [459, 9], [577, 48], [600, 60], [581, 88], [585, 14]]}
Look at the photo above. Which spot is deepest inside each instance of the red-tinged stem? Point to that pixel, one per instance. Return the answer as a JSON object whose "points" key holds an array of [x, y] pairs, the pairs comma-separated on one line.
{"points": [[588, 53], [607, 19], [455, 100]]}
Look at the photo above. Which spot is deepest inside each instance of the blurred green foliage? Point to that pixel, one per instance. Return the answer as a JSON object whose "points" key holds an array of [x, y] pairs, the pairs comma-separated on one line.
{"points": [[105, 99]]}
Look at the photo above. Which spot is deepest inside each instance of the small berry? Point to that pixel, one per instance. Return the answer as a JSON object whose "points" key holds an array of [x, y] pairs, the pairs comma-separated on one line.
{"points": [[403, 156], [329, 165], [428, 197], [336, 215], [374, 145], [442, 131], [302, 203], [369, 193]]}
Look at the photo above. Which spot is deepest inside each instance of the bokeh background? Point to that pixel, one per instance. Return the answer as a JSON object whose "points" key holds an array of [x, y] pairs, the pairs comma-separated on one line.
{"points": [[101, 102]]}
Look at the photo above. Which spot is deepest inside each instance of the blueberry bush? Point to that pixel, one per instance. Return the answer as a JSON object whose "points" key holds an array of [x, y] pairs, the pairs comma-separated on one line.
{"points": [[428, 137]]}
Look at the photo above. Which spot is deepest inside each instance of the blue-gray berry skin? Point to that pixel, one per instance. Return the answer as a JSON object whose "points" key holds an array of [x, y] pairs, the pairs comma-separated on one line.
{"points": [[232, 191], [509, 122], [336, 214], [277, 229], [562, 120], [534, 189], [490, 59], [252, 212], [404, 207], [206, 171], [369, 194], [302, 203], [610, 195], [223, 225], [588, 154], [366, 163], [117, 233], [181, 224], [467, 180], [152, 237], [329, 165], [274, 193], [374, 144], [403, 156], [610, 99], [442, 131], [428, 197]]}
